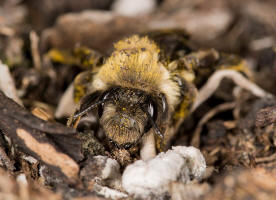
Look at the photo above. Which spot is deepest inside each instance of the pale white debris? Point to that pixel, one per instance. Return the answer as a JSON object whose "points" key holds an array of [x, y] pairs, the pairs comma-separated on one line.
{"points": [[89, 16], [30, 159], [109, 193], [111, 168], [143, 178], [133, 8], [196, 162], [109, 176], [263, 43], [66, 105], [7, 84], [41, 169], [21, 178]]}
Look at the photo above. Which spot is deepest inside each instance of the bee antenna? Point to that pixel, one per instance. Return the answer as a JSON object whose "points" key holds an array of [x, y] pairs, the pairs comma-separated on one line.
{"points": [[157, 130], [86, 110]]}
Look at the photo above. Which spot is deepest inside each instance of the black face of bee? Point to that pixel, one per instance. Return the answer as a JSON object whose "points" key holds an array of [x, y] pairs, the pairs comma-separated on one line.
{"points": [[125, 113], [124, 118]]}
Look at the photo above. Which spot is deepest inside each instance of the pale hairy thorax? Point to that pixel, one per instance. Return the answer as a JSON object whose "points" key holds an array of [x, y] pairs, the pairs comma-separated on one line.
{"points": [[135, 64]]}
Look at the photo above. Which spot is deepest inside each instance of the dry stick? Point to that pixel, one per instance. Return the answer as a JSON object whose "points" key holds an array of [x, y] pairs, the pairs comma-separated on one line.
{"points": [[34, 49], [7, 84], [6, 161], [214, 81], [220, 108], [266, 116], [270, 158], [4, 30]]}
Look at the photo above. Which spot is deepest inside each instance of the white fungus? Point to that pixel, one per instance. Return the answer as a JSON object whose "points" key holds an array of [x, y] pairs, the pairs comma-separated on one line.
{"points": [[153, 177]]}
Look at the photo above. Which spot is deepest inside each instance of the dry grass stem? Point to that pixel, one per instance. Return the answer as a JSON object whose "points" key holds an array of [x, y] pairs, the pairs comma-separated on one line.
{"points": [[34, 49], [214, 82], [220, 108], [7, 84]]}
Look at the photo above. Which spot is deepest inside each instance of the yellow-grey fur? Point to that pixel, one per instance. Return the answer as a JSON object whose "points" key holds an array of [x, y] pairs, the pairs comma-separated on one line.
{"points": [[135, 64]]}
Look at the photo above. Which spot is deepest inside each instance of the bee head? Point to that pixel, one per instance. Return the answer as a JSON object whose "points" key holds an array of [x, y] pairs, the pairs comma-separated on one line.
{"points": [[126, 114]]}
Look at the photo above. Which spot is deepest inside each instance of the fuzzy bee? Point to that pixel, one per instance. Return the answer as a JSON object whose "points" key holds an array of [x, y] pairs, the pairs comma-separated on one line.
{"points": [[144, 88]]}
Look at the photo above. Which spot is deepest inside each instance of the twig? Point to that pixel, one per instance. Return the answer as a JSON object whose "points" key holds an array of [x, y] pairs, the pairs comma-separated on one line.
{"points": [[4, 30], [6, 160], [222, 107], [34, 49], [214, 81], [266, 116], [270, 158]]}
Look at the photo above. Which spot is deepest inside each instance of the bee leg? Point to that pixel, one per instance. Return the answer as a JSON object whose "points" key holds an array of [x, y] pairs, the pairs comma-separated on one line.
{"points": [[235, 63], [71, 97], [187, 72], [81, 84], [73, 122], [188, 97], [87, 57], [80, 56], [203, 63], [87, 103]]}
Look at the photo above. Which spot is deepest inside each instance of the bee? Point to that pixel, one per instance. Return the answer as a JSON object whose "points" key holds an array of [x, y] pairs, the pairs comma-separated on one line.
{"points": [[143, 88]]}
